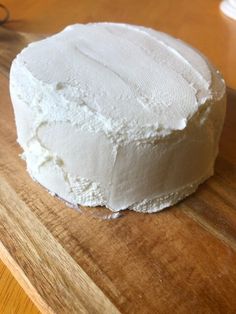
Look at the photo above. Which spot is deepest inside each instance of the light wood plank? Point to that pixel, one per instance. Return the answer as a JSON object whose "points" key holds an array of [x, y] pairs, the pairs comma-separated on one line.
{"points": [[46, 260], [12, 297]]}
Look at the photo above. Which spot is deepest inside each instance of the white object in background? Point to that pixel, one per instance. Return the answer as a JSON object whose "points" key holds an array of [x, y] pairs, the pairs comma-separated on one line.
{"points": [[228, 7]]}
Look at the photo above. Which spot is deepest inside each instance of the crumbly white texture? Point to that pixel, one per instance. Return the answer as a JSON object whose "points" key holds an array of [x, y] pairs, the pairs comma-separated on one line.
{"points": [[117, 115]]}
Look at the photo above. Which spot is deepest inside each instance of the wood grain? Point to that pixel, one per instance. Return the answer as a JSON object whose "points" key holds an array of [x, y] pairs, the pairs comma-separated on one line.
{"points": [[12, 297], [180, 260], [64, 284]]}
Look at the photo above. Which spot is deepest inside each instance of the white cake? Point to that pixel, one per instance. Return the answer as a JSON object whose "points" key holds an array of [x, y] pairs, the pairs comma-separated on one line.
{"points": [[117, 115]]}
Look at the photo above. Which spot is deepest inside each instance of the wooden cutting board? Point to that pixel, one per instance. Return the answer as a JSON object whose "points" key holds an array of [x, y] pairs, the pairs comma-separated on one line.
{"points": [[180, 260]]}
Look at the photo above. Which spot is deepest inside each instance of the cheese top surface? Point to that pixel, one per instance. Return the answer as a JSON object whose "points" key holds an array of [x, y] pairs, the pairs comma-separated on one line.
{"points": [[132, 82]]}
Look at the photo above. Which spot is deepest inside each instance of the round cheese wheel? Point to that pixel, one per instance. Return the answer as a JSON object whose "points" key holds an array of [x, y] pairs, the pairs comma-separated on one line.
{"points": [[117, 115]]}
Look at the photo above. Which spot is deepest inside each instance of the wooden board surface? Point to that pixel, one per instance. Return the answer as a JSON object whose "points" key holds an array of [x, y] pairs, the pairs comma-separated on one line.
{"points": [[15, 300], [181, 260]]}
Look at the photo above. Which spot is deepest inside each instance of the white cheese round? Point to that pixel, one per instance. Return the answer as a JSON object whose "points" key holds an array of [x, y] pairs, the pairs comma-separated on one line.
{"points": [[117, 115]]}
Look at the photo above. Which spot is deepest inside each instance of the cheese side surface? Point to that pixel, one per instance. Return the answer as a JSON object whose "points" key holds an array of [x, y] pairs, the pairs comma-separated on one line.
{"points": [[117, 115]]}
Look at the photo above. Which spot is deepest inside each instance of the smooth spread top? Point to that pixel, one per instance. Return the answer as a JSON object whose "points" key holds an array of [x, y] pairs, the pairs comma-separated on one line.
{"points": [[122, 79]]}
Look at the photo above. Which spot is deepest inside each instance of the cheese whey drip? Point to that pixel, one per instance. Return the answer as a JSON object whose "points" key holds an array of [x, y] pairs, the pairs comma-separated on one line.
{"points": [[117, 115]]}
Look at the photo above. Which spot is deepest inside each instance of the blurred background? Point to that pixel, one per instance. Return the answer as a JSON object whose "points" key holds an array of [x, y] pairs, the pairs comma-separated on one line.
{"points": [[199, 22]]}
